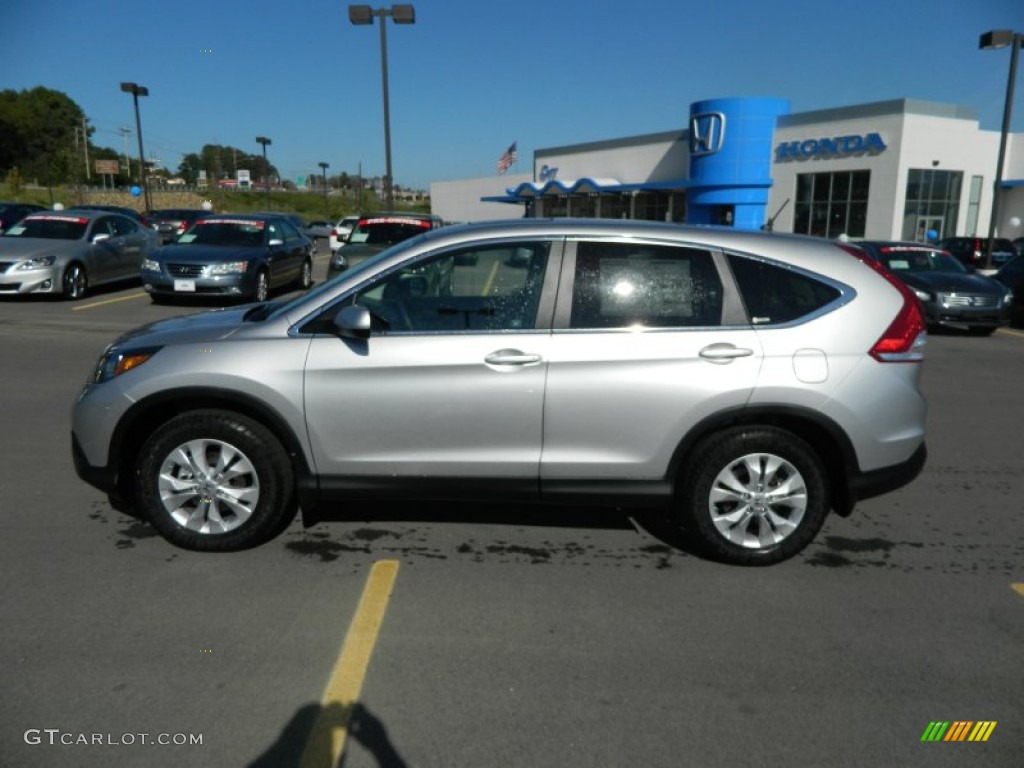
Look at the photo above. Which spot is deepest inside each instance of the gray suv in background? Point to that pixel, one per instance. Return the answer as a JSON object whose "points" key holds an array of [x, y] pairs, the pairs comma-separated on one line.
{"points": [[740, 384]]}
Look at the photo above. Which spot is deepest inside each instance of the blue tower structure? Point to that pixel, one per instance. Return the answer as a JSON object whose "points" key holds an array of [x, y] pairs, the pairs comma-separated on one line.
{"points": [[730, 160]]}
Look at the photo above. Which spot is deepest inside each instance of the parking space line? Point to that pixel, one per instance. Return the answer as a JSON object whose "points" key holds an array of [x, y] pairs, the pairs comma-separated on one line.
{"points": [[1018, 588], [327, 739], [1011, 332], [109, 301]]}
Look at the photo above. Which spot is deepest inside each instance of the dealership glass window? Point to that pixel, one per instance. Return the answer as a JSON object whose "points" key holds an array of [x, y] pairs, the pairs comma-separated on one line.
{"points": [[973, 205], [932, 203], [831, 204], [615, 206], [650, 206], [628, 285]]}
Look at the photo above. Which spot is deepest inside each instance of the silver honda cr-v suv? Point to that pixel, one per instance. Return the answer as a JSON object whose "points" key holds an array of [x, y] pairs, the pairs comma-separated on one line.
{"points": [[743, 384]]}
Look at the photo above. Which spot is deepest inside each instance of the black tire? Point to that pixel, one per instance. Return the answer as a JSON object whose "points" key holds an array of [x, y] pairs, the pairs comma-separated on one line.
{"points": [[744, 519], [980, 330], [201, 515], [262, 289], [74, 283], [159, 299], [306, 274]]}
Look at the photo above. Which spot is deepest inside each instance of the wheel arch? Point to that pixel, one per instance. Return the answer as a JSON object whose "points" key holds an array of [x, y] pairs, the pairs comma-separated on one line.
{"points": [[148, 414], [821, 433]]}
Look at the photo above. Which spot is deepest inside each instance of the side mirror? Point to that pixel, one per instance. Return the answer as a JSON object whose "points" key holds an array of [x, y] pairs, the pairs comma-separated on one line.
{"points": [[275, 242], [352, 322], [101, 237]]}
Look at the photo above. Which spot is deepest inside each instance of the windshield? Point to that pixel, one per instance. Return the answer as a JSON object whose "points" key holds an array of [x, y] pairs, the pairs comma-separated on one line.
{"points": [[920, 260], [50, 227], [386, 230], [227, 232]]}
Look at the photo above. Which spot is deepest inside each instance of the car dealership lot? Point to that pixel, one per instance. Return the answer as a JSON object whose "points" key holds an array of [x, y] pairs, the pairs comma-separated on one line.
{"points": [[509, 643]]}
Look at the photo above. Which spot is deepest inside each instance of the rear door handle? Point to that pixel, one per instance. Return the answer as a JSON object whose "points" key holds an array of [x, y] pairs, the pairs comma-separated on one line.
{"points": [[724, 353], [512, 357]]}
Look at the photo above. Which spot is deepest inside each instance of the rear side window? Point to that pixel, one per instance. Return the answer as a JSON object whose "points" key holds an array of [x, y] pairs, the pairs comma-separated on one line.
{"points": [[775, 295], [621, 285]]}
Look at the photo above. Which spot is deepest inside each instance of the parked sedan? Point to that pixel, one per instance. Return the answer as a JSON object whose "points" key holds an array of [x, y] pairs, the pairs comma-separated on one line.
{"points": [[169, 223], [233, 255], [970, 251], [316, 230], [68, 252], [1012, 276], [950, 293], [12, 213]]}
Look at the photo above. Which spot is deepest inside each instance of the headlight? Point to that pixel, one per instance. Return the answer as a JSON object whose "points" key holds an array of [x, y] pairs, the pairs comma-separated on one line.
{"points": [[339, 262], [922, 295], [231, 268], [148, 265], [38, 262], [115, 362], [1008, 298]]}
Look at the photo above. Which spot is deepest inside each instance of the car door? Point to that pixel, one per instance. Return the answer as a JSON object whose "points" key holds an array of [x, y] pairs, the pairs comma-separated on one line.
{"points": [[647, 343], [449, 383], [278, 257], [132, 247], [106, 255]]}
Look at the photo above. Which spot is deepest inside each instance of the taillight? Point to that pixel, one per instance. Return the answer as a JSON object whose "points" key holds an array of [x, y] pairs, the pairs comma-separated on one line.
{"points": [[334, 233], [905, 338], [182, 226]]}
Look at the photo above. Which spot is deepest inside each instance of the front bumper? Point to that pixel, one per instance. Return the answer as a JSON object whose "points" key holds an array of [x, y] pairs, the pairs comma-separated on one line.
{"points": [[42, 280], [966, 316], [237, 285]]}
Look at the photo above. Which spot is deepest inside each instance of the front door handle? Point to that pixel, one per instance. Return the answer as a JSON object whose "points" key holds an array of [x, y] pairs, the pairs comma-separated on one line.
{"points": [[512, 357], [722, 353]]}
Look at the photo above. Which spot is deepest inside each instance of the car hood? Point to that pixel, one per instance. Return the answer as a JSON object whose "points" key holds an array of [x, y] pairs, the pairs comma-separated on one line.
{"points": [[28, 247], [211, 325], [206, 254], [951, 282]]}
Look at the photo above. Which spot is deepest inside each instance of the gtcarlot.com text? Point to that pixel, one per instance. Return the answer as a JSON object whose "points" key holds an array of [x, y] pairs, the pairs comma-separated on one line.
{"points": [[55, 736]]}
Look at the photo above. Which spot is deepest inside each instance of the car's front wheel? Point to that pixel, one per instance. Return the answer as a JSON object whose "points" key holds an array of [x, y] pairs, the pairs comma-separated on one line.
{"points": [[753, 495], [262, 289], [306, 274], [75, 281], [216, 481]]}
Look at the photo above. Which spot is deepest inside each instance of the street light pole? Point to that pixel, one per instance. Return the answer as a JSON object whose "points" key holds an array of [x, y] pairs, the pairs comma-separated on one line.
{"points": [[401, 14], [266, 167], [136, 91], [1000, 38], [324, 167]]}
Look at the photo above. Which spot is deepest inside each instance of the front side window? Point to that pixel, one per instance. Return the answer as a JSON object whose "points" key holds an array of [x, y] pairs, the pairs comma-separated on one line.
{"points": [[494, 287], [624, 285]]}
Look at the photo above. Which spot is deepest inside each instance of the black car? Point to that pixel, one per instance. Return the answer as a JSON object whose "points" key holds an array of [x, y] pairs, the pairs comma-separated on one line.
{"points": [[375, 232], [950, 293], [1012, 276], [230, 255], [970, 251], [171, 222], [12, 213]]}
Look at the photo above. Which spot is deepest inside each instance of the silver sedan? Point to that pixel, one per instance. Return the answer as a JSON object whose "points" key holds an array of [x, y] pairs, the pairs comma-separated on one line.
{"points": [[68, 252]]}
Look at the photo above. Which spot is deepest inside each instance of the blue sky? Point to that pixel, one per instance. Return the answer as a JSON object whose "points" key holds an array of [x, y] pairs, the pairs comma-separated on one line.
{"points": [[472, 76]]}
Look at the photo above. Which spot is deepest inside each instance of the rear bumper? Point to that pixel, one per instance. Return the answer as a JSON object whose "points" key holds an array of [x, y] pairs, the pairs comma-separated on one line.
{"points": [[876, 482]]}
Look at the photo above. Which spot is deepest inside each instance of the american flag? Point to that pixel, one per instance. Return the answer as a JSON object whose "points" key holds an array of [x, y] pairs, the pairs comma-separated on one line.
{"points": [[506, 160]]}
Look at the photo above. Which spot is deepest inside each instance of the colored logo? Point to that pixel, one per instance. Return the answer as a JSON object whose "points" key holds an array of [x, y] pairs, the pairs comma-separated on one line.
{"points": [[707, 133], [958, 730]]}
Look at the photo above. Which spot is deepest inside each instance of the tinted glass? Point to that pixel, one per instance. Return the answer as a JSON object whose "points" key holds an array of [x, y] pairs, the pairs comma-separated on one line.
{"points": [[621, 285], [50, 227], [775, 294], [489, 288], [233, 232]]}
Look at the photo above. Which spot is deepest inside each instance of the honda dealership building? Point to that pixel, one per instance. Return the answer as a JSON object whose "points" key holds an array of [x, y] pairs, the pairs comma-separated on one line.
{"points": [[901, 169]]}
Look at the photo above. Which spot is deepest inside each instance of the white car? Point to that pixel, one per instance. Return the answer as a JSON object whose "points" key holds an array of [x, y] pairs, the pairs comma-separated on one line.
{"points": [[340, 232]]}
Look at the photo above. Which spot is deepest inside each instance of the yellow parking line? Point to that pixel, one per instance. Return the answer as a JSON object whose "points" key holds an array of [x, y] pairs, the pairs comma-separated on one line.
{"points": [[327, 739], [1011, 331], [490, 280], [109, 301], [1018, 588]]}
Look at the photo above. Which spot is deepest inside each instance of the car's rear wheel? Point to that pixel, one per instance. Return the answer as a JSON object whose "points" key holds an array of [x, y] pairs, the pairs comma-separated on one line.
{"points": [[215, 481], [981, 330], [75, 281], [753, 495], [262, 289]]}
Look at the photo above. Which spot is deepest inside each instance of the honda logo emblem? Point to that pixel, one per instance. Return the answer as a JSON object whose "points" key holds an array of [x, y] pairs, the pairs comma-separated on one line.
{"points": [[707, 133]]}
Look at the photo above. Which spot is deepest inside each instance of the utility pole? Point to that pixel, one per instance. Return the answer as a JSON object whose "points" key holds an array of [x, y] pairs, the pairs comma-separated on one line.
{"points": [[126, 132], [85, 136]]}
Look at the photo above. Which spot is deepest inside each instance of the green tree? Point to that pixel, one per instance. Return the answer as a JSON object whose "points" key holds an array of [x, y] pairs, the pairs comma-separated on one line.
{"points": [[37, 125]]}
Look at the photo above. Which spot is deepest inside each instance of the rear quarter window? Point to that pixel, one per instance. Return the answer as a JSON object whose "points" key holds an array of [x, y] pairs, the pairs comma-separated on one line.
{"points": [[774, 294]]}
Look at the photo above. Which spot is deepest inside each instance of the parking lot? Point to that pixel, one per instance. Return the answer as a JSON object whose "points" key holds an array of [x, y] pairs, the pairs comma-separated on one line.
{"points": [[525, 637]]}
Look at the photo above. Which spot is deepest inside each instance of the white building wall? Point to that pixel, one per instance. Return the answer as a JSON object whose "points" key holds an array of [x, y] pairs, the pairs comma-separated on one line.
{"points": [[660, 158], [459, 201]]}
